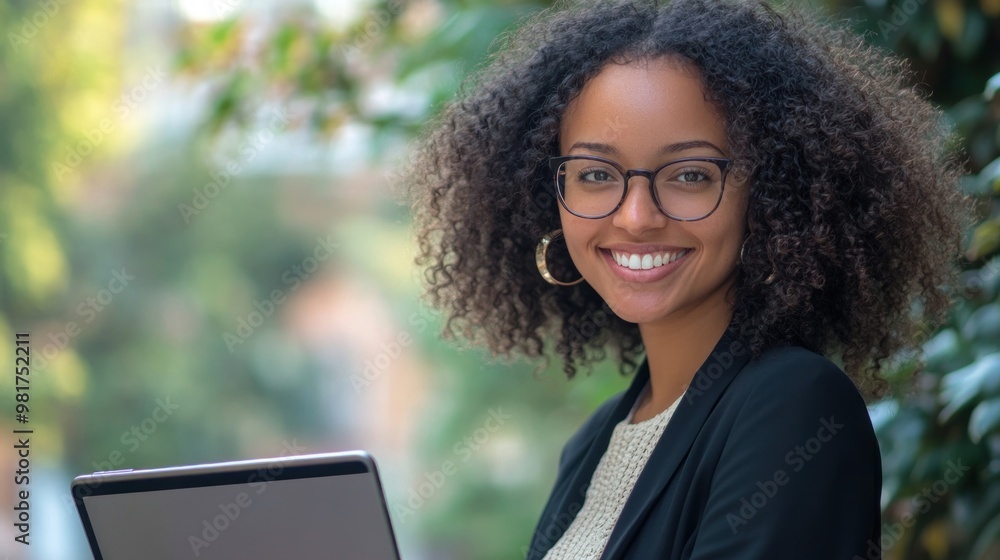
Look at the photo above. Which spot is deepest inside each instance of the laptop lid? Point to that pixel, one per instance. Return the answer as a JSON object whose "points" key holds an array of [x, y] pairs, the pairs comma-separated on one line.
{"points": [[326, 506]]}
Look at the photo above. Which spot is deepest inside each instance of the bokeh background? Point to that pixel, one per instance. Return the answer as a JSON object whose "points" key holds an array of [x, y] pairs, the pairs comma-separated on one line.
{"points": [[201, 211]]}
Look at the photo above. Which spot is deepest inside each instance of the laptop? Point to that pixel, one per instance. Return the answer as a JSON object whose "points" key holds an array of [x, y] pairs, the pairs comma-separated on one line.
{"points": [[328, 506]]}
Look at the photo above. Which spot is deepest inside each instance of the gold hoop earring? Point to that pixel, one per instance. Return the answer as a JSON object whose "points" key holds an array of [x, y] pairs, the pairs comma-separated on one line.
{"points": [[543, 267]]}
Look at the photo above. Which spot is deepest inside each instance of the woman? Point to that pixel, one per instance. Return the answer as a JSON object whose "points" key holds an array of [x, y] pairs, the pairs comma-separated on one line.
{"points": [[758, 200]]}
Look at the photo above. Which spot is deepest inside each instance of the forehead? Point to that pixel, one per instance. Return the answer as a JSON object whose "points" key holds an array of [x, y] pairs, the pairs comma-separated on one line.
{"points": [[640, 106]]}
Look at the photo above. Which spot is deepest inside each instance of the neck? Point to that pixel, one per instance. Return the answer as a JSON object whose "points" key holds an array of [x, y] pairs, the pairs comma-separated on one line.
{"points": [[675, 349]]}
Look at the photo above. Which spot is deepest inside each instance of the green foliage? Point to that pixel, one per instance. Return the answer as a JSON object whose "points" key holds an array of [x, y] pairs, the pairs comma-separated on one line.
{"points": [[942, 447], [939, 435]]}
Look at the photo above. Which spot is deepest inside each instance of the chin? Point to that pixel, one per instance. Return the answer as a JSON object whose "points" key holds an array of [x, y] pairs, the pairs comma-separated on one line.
{"points": [[636, 312]]}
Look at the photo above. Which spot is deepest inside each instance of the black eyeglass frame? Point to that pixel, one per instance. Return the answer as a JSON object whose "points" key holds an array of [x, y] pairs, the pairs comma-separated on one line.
{"points": [[556, 162]]}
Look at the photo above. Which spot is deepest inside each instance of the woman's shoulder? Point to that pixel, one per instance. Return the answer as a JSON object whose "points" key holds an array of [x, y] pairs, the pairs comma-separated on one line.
{"points": [[795, 370], [791, 382]]}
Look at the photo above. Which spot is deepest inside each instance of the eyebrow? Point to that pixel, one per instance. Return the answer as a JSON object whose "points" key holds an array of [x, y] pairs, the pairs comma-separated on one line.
{"points": [[668, 149]]}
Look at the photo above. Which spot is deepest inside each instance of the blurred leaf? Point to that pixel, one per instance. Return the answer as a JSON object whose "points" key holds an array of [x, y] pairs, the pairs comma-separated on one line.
{"points": [[991, 87], [985, 418], [898, 454], [985, 240], [974, 32], [978, 379], [983, 326], [221, 33], [987, 538], [464, 38], [935, 539], [944, 352], [951, 18], [229, 103], [281, 47], [924, 33], [986, 182], [987, 278]]}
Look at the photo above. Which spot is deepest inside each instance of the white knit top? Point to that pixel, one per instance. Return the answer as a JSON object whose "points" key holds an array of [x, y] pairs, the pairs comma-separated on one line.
{"points": [[612, 482]]}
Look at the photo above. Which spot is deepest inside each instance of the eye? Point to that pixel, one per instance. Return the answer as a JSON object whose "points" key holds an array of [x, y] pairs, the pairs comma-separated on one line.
{"points": [[595, 175], [692, 176]]}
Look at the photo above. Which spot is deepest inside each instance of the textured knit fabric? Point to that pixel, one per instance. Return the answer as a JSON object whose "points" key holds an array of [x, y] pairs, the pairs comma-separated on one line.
{"points": [[612, 482]]}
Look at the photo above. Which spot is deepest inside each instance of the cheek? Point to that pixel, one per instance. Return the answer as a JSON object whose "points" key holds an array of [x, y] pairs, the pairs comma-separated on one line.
{"points": [[725, 239], [576, 232], [720, 241], [728, 232]]}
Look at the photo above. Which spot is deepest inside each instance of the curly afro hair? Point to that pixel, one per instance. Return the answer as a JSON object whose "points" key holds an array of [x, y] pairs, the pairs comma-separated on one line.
{"points": [[854, 205]]}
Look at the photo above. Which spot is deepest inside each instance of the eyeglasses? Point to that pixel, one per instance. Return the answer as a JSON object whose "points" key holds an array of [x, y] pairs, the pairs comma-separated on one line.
{"points": [[686, 189]]}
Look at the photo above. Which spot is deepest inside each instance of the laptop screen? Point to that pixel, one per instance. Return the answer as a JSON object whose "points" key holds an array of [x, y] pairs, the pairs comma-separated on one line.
{"points": [[216, 518]]}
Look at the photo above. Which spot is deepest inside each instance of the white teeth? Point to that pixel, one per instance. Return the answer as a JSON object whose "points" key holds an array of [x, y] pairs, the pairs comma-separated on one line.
{"points": [[646, 261]]}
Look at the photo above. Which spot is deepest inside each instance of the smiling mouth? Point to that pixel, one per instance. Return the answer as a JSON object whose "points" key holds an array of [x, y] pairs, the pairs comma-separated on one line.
{"points": [[646, 261]]}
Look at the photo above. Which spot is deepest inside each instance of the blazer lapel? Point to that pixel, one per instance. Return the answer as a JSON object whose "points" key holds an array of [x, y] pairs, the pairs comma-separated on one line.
{"points": [[569, 495], [710, 381]]}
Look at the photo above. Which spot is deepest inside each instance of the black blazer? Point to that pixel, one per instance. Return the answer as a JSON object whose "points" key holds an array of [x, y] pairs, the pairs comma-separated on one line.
{"points": [[770, 459]]}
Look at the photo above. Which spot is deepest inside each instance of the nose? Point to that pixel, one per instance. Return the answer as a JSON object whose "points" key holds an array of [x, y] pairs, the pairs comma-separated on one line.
{"points": [[638, 212]]}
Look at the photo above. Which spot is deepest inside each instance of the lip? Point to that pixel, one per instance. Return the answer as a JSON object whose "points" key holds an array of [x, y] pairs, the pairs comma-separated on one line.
{"points": [[641, 248], [649, 275]]}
